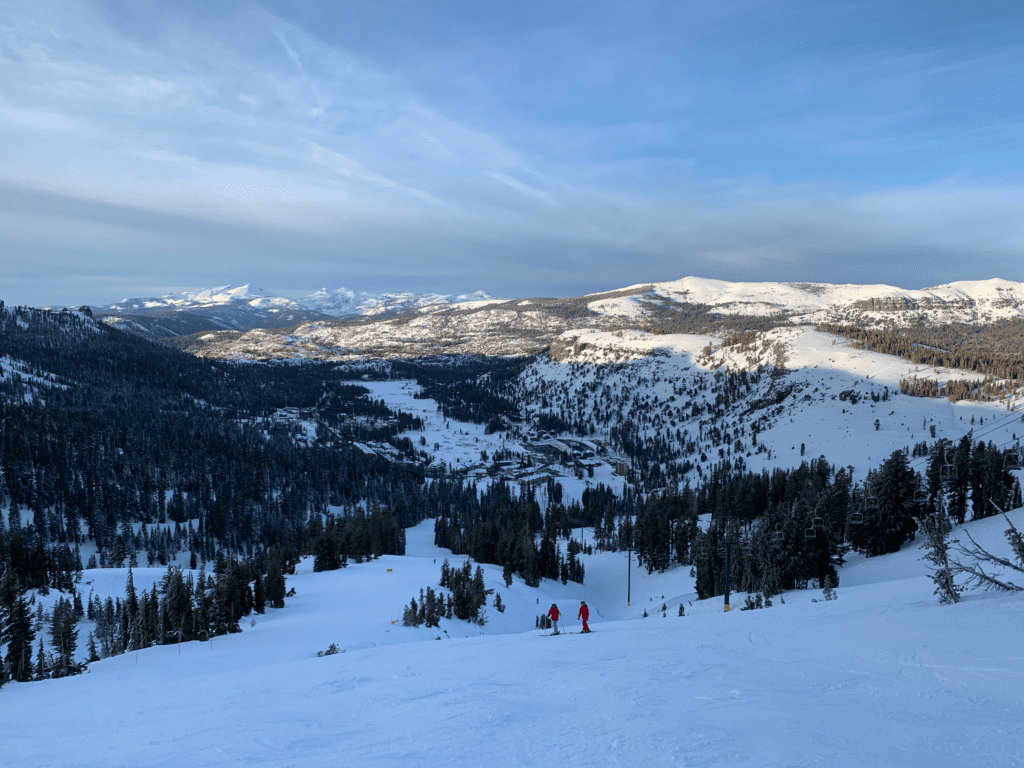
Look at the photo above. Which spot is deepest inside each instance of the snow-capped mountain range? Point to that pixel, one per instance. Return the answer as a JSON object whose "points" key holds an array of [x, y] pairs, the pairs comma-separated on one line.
{"points": [[340, 302], [341, 325], [963, 301], [245, 307]]}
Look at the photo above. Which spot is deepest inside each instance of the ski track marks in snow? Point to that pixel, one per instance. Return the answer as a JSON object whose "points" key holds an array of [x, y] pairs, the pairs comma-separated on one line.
{"points": [[883, 676]]}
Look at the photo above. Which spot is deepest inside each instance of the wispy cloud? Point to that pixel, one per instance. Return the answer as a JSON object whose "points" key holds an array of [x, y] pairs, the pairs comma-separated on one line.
{"points": [[534, 148], [283, 39], [347, 168], [528, 191]]}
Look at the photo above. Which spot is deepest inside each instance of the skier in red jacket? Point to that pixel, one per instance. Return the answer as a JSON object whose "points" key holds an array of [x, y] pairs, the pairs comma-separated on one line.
{"points": [[553, 614], [584, 614]]}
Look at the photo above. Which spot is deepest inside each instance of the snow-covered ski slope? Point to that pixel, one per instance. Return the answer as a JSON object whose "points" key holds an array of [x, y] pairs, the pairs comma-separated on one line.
{"points": [[883, 676], [827, 401]]}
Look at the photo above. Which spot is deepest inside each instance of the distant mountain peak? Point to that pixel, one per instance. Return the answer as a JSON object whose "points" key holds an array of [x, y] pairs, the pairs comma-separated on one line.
{"points": [[244, 306]]}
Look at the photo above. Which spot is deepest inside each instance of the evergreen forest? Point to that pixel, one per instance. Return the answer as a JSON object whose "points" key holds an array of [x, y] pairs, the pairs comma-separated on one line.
{"points": [[227, 473]]}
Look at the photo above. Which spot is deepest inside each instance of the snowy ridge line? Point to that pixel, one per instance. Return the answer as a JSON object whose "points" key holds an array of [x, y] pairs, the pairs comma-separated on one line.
{"points": [[816, 302], [343, 325], [337, 303]]}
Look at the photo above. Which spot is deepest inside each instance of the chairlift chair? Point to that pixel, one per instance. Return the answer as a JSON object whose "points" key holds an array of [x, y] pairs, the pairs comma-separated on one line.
{"points": [[947, 473], [856, 518]]}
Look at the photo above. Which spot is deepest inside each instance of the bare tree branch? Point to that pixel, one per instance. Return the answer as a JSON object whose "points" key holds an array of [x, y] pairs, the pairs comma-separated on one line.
{"points": [[976, 573]]}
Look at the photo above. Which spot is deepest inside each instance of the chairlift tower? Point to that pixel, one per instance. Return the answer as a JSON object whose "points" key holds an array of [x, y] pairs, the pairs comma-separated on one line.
{"points": [[725, 549], [629, 565]]}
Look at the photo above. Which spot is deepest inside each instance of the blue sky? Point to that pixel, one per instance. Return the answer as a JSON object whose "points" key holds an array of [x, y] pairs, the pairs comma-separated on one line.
{"points": [[523, 148]]}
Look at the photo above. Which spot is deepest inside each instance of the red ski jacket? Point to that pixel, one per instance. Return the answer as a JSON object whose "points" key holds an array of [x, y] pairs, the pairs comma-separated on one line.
{"points": [[553, 614], [584, 613]]}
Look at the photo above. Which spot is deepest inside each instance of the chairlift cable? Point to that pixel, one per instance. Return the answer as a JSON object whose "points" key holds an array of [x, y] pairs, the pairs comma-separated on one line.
{"points": [[982, 432]]}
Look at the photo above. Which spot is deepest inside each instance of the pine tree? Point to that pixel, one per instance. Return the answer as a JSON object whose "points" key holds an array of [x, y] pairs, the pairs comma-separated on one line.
{"points": [[421, 614], [432, 610], [42, 670], [274, 585], [19, 635], [118, 553], [410, 616], [93, 653], [936, 528], [259, 602], [886, 528], [176, 607], [130, 635], [201, 613], [64, 638]]}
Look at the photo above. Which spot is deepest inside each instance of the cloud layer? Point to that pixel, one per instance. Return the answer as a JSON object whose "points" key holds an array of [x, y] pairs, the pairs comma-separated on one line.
{"points": [[523, 149]]}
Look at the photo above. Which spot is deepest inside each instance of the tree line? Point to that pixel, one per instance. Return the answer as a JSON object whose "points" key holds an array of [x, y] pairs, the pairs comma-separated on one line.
{"points": [[108, 438], [788, 528], [182, 608], [995, 350]]}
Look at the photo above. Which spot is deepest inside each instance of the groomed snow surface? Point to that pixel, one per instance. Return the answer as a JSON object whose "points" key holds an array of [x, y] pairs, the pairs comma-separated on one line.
{"points": [[883, 676]]}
